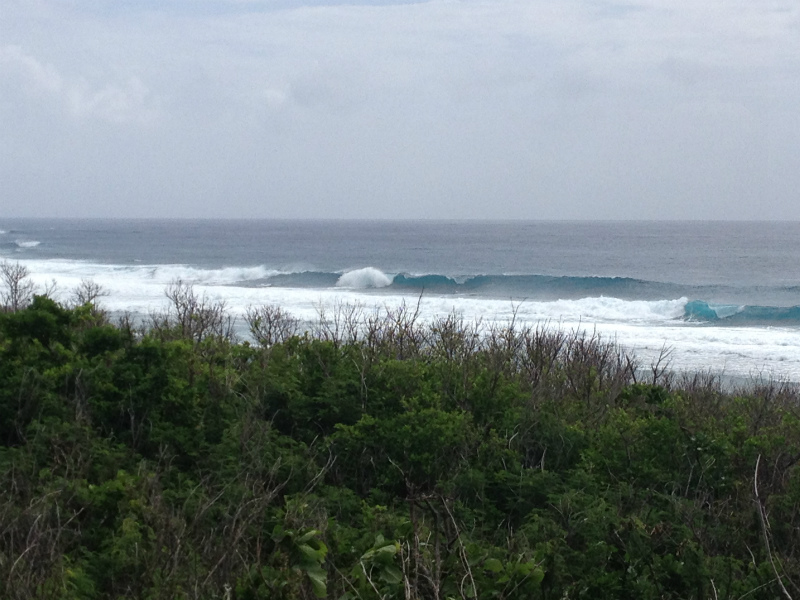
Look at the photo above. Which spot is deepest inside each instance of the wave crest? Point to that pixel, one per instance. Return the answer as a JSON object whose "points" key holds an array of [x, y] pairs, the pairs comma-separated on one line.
{"points": [[220, 276], [698, 310], [27, 243], [368, 277]]}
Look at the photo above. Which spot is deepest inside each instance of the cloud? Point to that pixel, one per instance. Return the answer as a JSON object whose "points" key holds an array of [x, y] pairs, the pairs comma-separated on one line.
{"points": [[501, 108], [115, 103], [34, 75]]}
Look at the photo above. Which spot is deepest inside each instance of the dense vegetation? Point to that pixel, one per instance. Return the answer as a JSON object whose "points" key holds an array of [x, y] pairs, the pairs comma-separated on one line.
{"points": [[377, 457]]}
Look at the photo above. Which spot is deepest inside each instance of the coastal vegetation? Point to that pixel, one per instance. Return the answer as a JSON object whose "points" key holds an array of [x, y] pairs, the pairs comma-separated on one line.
{"points": [[375, 456]]}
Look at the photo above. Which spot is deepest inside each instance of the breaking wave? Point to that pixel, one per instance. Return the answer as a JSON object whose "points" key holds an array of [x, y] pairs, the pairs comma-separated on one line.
{"points": [[150, 274], [27, 243], [601, 299], [538, 285], [726, 314], [366, 278]]}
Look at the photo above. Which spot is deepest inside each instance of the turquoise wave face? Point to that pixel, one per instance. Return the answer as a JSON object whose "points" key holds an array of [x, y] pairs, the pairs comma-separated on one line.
{"points": [[528, 286], [527, 283], [547, 287], [698, 310]]}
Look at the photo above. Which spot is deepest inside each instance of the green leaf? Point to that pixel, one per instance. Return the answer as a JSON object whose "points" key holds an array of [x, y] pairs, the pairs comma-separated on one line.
{"points": [[525, 568], [307, 536], [312, 555], [278, 534], [391, 575], [385, 553], [318, 578], [493, 565]]}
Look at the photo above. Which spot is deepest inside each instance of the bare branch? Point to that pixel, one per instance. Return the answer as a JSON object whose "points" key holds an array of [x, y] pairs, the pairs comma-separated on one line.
{"points": [[18, 288], [762, 515], [270, 324]]}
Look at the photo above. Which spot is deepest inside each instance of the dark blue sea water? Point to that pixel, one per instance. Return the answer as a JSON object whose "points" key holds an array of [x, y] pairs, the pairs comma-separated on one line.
{"points": [[723, 295]]}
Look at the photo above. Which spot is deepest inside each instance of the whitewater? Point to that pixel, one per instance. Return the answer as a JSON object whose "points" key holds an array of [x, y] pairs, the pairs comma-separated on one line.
{"points": [[722, 297]]}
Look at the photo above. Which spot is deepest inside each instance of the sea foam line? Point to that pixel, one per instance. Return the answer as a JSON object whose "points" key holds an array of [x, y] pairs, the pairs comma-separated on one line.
{"points": [[644, 327]]}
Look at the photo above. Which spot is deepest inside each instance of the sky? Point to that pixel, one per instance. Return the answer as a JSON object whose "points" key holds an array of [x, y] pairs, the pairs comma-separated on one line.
{"points": [[382, 109]]}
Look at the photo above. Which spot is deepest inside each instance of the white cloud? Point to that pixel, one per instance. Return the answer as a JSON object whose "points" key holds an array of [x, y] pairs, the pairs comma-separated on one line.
{"points": [[275, 97], [111, 102], [550, 108], [35, 76]]}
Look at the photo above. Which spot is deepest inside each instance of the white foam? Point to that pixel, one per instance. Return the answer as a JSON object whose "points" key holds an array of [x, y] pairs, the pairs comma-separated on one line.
{"points": [[610, 310], [725, 310], [366, 278], [147, 274], [222, 276], [644, 327], [27, 243]]}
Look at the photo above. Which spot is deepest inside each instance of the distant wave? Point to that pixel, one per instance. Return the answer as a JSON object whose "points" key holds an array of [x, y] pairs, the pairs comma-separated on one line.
{"points": [[27, 243], [220, 276], [375, 280], [528, 286], [606, 309], [534, 284], [605, 299], [726, 314], [151, 274]]}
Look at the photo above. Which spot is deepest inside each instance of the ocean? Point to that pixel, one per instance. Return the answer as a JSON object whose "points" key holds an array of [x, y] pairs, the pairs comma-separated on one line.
{"points": [[723, 297]]}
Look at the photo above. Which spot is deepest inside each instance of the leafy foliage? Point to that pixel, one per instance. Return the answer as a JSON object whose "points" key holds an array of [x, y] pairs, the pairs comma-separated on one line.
{"points": [[378, 458]]}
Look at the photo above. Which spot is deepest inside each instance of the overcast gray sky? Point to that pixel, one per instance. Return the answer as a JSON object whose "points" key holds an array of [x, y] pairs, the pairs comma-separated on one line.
{"points": [[393, 109]]}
